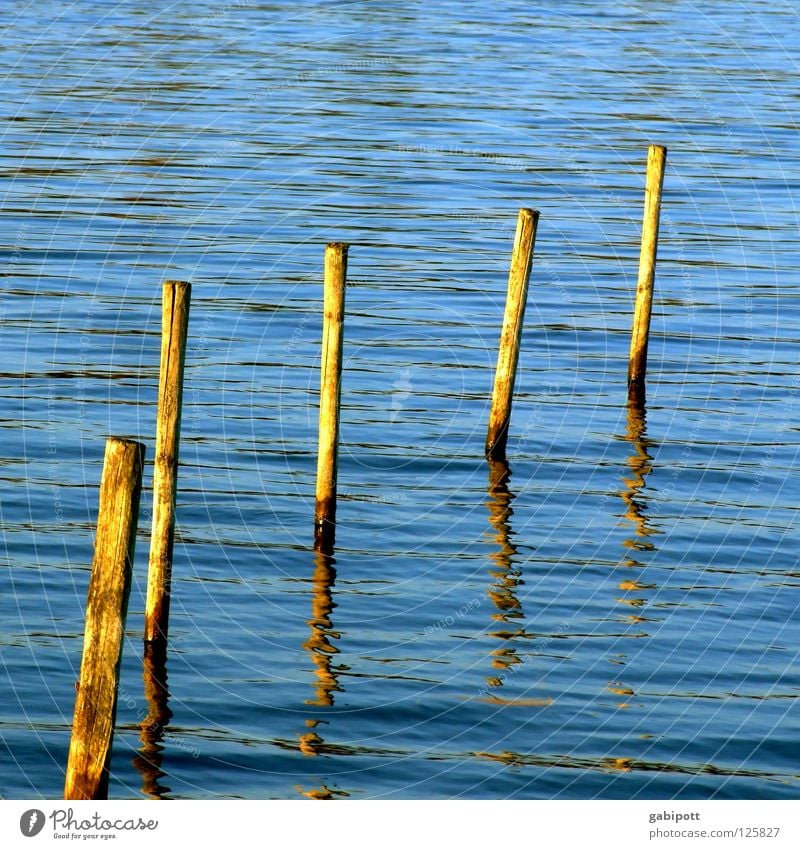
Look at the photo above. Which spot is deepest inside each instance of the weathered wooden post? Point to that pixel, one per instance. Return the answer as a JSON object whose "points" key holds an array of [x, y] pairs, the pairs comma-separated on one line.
{"points": [[106, 608], [174, 327], [637, 363], [508, 355], [330, 394]]}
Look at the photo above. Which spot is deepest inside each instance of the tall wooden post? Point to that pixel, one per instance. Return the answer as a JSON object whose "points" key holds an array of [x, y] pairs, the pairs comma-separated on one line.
{"points": [[330, 394], [174, 327], [508, 355], [106, 609], [637, 363]]}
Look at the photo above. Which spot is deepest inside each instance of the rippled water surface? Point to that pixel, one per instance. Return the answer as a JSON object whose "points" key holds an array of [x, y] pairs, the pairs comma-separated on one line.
{"points": [[612, 615]]}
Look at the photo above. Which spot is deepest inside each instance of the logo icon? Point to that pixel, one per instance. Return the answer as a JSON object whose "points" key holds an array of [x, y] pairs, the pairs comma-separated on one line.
{"points": [[402, 389], [31, 822]]}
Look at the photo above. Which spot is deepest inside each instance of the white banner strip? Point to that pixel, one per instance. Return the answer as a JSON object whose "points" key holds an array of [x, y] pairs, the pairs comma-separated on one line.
{"points": [[374, 825]]}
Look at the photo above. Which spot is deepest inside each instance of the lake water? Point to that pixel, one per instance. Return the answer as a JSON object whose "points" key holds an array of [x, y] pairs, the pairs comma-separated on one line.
{"points": [[617, 618]]}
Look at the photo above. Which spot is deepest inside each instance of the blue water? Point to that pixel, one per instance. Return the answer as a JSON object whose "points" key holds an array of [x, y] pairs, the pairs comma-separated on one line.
{"points": [[616, 619]]}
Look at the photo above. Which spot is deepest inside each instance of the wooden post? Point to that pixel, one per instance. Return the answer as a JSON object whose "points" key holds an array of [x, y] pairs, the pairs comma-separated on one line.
{"points": [[330, 393], [508, 354], [174, 326], [106, 608], [637, 363]]}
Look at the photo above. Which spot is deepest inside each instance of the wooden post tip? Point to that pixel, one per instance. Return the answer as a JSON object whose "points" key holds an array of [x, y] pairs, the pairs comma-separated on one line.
{"points": [[123, 441], [179, 285], [528, 214]]}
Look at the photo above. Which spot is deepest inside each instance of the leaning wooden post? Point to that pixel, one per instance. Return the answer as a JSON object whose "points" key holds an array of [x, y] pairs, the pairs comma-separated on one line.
{"points": [[637, 363], [330, 393], [174, 326], [106, 607], [508, 354]]}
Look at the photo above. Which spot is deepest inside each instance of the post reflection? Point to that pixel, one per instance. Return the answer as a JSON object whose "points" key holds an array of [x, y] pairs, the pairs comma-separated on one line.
{"points": [[640, 463], [153, 727], [642, 525], [507, 576], [321, 645], [323, 792]]}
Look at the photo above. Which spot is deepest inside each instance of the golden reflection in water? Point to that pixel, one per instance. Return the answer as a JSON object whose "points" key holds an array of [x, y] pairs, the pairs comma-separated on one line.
{"points": [[507, 575], [640, 464], [153, 727], [323, 792], [321, 649], [319, 644]]}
